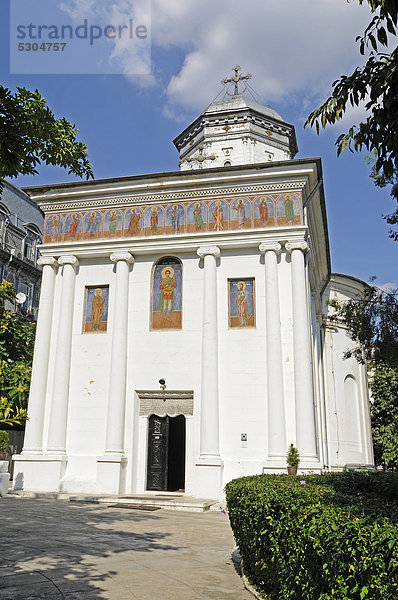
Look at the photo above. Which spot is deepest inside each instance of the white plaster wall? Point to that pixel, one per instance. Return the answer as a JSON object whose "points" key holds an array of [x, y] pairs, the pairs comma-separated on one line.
{"points": [[236, 150], [347, 414], [176, 356], [151, 355], [346, 389]]}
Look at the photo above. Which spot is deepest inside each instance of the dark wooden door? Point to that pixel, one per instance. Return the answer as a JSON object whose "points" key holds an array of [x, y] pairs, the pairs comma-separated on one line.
{"points": [[158, 450]]}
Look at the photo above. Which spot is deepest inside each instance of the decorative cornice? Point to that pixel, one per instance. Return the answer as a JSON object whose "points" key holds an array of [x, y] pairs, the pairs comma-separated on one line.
{"points": [[299, 245], [208, 251], [122, 255], [268, 247], [68, 259], [167, 197], [47, 260]]}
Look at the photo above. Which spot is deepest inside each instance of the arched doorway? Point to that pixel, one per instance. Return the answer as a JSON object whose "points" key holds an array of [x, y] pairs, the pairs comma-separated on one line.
{"points": [[166, 453]]}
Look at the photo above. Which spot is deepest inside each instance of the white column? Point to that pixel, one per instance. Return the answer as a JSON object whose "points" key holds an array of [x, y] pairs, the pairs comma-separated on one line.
{"points": [[275, 389], [209, 482], [305, 415], [33, 443], [111, 471], [117, 385], [209, 430], [59, 407]]}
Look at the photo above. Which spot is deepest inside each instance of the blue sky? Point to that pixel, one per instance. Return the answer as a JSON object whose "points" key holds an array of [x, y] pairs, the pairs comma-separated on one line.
{"points": [[294, 51]]}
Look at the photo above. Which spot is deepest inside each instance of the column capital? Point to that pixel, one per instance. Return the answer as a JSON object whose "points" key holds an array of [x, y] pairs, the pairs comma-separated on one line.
{"points": [[270, 247], [47, 260], [122, 255], [208, 250], [298, 245], [68, 259]]}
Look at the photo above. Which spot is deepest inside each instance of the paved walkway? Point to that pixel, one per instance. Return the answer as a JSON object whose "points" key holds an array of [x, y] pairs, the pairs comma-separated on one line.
{"points": [[51, 550]]}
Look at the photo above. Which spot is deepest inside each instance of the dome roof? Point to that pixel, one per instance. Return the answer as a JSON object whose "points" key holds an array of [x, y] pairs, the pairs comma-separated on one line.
{"points": [[239, 103]]}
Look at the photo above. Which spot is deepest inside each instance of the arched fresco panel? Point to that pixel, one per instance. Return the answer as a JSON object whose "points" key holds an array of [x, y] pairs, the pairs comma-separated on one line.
{"points": [[219, 216], [166, 294], [153, 220], [53, 230], [196, 217], [73, 227], [264, 212], [175, 219], [93, 225], [113, 224], [288, 210], [241, 214], [133, 222]]}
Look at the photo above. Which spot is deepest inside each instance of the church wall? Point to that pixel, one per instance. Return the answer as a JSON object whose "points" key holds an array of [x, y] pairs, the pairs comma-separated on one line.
{"points": [[347, 397], [264, 402], [243, 401]]}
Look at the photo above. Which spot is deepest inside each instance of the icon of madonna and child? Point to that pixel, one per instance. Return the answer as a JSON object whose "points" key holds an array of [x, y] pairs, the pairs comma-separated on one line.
{"points": [[167, 296]]}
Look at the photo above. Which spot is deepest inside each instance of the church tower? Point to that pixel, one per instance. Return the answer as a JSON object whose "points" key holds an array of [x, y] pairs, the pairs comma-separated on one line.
{"points": [[234, 132]]}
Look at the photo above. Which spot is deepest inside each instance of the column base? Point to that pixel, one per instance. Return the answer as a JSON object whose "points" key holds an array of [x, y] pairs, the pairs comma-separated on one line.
{"points": [[111, 474], [38, 473], [4, 477], [209, 477]]}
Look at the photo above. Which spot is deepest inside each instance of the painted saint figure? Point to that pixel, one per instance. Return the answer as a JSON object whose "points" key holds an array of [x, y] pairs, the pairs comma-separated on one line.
{"points": [[289, 209], [167, 293], [218, 216], [240, 210], [197, 217], [55, 225], [97, 308], [175, 219], [154, 219], [74, 226], [241, 304], [134, 222], [93, 225], [113, 222], [263, 209]]}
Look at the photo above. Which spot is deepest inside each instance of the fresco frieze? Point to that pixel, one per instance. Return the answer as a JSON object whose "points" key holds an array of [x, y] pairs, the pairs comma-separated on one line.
{"points": [[147, 220]]}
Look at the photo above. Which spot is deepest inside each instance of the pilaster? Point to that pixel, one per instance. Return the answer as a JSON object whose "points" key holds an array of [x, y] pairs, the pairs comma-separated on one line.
{"points": [[275, 387], [304, 395]]}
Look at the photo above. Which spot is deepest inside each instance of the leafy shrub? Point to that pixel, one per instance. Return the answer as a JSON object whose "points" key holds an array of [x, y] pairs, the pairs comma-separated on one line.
{"points": [[3, 441], [324, 537]]}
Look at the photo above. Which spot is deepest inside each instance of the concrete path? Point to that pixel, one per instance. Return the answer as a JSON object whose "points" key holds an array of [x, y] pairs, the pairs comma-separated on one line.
{"points": [[53, 550]]}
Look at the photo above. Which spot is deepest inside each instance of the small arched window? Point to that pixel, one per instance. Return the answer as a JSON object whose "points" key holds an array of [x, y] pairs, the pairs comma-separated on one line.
{"points": [[227, 163], [166, 294]]}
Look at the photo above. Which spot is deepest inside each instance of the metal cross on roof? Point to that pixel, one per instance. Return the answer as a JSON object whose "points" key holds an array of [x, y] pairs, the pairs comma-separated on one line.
{"points": [[236, 79], [200, 158]]}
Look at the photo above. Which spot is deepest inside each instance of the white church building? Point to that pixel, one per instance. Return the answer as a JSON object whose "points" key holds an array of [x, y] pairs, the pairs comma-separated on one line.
{"points": [[184, 337]]}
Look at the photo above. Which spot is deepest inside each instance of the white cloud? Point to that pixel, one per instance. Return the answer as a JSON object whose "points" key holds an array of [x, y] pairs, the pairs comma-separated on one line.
{"points": [[292, 48]]}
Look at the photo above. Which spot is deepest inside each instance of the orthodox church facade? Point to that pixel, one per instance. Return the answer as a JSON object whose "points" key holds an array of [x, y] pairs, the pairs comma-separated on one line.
{"points": [[184, 336]]}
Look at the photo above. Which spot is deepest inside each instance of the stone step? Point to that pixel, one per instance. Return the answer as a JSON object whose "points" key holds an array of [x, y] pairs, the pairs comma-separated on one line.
{"points": [[165, 501]]}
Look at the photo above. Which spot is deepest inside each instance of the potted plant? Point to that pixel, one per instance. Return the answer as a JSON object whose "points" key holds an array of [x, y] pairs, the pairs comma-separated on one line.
{"points": [[293, 460], [3, 444]]}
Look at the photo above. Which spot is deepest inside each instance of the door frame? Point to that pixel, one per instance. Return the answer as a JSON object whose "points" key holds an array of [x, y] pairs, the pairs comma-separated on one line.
{"points": [[162, 403]]}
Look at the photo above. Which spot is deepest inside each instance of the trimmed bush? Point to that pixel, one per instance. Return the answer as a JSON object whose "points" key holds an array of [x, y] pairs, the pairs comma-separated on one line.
{"points": [[318, 537]]}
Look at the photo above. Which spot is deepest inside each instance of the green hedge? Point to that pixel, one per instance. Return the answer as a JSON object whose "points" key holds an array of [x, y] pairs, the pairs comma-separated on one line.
{"points": [[318, 537]]}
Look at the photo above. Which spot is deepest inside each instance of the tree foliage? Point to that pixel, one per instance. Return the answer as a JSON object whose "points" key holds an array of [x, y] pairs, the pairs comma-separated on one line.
{"points": [[383, 412], [372, 323], [16, 355], [376, 85], [30, 134]]}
